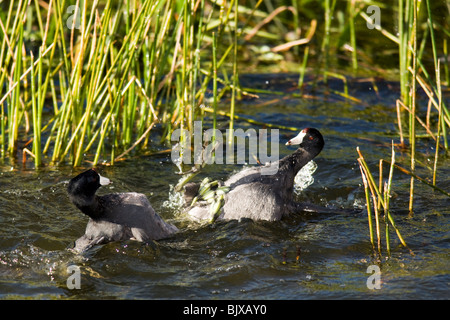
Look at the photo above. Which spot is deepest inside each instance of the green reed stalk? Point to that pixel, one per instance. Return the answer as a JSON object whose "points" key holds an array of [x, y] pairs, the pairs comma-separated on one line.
{"points": [[14, 106], [4, 55], [2, 134], [197, 73], [352, 15], [235, 72], [147, 72], [387, 196], [129, 113], [386, 221], [440, 124], [303, 67], [185, 122], [214, 53], [402, 59], [403, 18], [37, 106], [369, 209], [329, 8], [380, 182], [42, 88], [326, 39], [431, 29], [59, 12], [34, 112], [447, 62], [50, 73], [190, 98], [412, 116]]}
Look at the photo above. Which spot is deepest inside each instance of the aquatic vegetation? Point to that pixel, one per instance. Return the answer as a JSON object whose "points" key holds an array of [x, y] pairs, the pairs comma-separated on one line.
{"points": [[90, 81], [410, 68], [96, 77], [110, 71], [380, 196]]}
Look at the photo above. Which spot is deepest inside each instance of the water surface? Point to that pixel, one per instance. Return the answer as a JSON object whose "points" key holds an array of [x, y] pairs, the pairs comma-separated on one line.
{"points": [[241, 259]]}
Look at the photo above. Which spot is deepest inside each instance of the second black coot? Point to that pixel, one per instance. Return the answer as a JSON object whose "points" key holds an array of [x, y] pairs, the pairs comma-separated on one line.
{"points": [[114, 217], [260, 196]]}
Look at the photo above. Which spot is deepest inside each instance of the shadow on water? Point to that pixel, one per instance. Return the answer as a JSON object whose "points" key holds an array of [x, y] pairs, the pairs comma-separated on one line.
{"points": [[304, 256]]}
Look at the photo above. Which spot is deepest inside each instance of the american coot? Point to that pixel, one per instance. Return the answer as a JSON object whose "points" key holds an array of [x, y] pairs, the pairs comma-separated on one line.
{"points": [[114, 217], [265, 197]]}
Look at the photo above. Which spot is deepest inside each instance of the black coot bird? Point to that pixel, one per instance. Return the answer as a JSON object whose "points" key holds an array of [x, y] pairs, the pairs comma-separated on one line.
{"points": [[114, 217], [260, 196]]}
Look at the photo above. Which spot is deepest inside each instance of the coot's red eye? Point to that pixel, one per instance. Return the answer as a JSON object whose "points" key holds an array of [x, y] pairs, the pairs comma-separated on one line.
{"points": [[311, 138]]}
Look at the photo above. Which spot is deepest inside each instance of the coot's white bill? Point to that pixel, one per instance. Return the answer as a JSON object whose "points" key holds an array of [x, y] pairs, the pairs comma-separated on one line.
{"points": [[104, 181], [298, 139]]}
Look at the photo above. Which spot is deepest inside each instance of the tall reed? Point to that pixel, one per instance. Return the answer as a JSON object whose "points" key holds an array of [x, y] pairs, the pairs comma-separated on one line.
{"points": [[412, 115], [107, 91], [380, 196]]}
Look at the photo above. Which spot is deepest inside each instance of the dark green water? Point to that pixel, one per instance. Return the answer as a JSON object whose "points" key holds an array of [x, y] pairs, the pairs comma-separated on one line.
{"points": [[241, 259]]}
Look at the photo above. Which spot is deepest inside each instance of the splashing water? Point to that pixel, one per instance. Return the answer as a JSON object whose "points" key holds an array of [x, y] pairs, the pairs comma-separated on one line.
{"points": [[175, 201], [304, 177]]}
